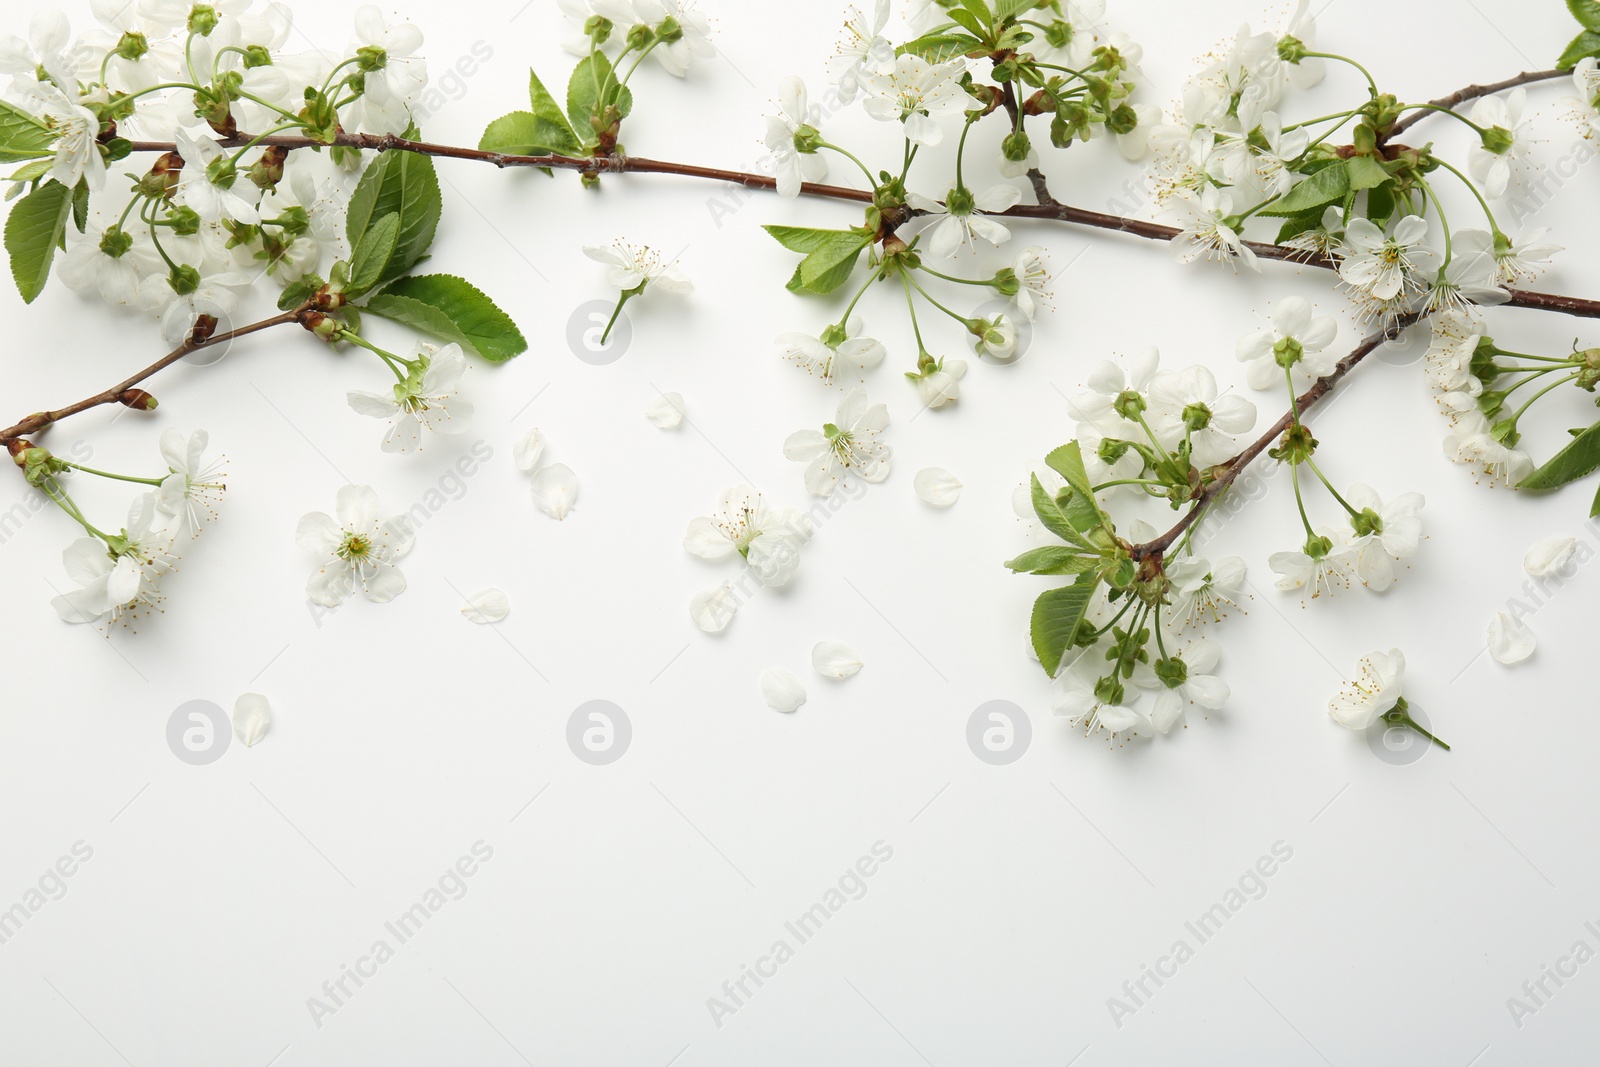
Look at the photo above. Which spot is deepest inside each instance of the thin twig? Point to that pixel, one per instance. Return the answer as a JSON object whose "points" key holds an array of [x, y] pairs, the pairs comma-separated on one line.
{"points": [[43, 419], [1235, 466], [1473, 92]]}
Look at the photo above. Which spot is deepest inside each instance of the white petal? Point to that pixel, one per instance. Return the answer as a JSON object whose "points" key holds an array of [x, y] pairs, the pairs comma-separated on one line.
{"points": [[937, 486], [487, 606], [666, 411], [833, 659], [1549, 556], [714, 608], [555, 490], [251, 718], [528, 449], [782, 690], [1510, 640]]}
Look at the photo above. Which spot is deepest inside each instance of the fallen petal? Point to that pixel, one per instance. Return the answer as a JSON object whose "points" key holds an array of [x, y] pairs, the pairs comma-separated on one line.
{"points": [[833, 659], [714, 608], [528, 449], [487, 606], [937, 486], [555, 490], [666, 411], [1549, 556], [251, 718], [782, 690], [1510, 639]]}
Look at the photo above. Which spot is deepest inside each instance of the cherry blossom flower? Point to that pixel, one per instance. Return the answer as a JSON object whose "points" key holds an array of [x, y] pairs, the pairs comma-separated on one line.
{"points": [[918, 94], [118, 576], [796, 118], [745, 525], [427, 400], [862, 51], [359, 547], [1296, 340], [850, 444], [1377, 690]]}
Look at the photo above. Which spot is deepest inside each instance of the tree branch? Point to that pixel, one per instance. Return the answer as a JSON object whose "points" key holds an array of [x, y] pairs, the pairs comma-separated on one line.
{"points": [[1235, 466], [1473, 92], [43, 419], [1049, 208]]}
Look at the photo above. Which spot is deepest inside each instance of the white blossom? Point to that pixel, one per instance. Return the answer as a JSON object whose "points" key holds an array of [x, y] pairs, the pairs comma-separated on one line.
{"points": [[358, 546]]}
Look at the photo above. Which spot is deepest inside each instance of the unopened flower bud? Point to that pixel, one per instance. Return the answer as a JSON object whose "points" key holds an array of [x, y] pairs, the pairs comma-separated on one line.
{"points": [[137, 399], [1497, 139], [162, 181], [267, 171], [205, 327]]}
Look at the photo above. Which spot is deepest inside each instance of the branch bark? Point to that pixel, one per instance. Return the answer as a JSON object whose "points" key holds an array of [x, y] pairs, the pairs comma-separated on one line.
{"points": [[1473, 92], [1235, 466], [43, 419]]}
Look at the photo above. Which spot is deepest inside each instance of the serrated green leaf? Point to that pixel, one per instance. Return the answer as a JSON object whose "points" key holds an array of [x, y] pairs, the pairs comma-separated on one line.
{"points": [[31, 172], [1323, 187], [1364, 172], [451, 309], [1067, 461], [1580, 457], [1056, 615], [541, 131], [940, 47], [1053, 559], [592, 87], [1295, 225], [1584, 45], [1005, 9], [373, 253], [404, 184], [34, 231], [1587, 12], [1054, 517], [830, 255], [23, 137], [971, 21]]}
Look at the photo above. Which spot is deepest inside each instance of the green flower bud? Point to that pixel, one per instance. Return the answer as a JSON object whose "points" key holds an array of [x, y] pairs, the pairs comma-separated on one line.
{"points": [[960, 201], [1016, 146], [1109, 690], [1196, 417], [184, 280], [1296, 445], [807, 139], [1317, 547], [115, 242], [184, 221], [371, 58], [257, 56], [1129, 404]]}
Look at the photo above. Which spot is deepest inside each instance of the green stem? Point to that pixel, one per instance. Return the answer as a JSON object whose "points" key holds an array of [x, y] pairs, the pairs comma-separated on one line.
{"points": [[1553, 385], [852, 158], [114, 477]]}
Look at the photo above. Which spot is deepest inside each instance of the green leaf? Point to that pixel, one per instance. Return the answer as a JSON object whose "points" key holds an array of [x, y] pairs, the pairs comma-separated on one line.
{"points": [[1587, 12], [446, 307], [974, 21], [1056, 615], [542, 131], [373, 254], [939, 47], [22, 136], [1584, 45], [1005, 9], [1580, 457], [830, 255], [1323, 187], [37, 226], [591, 88], [1365, 172], [1295, 225], [1053, 559], [80, 205], [1067, 461], [403, 184], [1055, 518]]}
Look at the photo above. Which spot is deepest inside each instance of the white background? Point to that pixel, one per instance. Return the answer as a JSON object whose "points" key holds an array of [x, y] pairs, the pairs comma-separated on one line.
{"points": [[1419, 897]]}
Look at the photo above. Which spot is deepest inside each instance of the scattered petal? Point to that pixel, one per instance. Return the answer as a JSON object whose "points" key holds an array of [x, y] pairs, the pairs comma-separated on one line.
{"points": [[1510, 639], [487, 606], [714, 608], [937, 486], [251, 718], [782, 690], [666, 411], [833, 659], [555, 490], [1549, 556], [528, 449]]}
